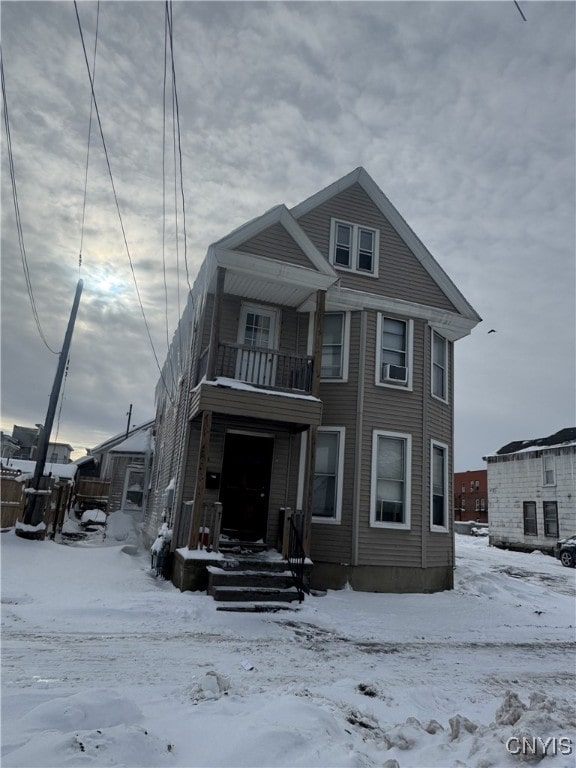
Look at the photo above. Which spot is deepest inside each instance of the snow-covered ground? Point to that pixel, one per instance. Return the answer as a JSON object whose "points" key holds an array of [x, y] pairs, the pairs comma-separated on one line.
{"points": [[105, 665]]}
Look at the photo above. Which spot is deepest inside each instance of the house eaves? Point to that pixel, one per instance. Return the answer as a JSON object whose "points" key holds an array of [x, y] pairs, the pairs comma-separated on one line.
{"points": [[450, 324], [413, 242]]}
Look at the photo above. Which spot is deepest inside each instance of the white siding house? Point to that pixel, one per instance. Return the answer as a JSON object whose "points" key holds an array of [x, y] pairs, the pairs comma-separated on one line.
{"points": [[532, 492]]}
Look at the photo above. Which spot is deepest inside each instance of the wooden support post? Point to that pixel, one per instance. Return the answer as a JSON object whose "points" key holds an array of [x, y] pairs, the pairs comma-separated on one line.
{"points": [[286, 531], [200, 479], [318, 333], [216, 526], [309, 489], [215, 328]]}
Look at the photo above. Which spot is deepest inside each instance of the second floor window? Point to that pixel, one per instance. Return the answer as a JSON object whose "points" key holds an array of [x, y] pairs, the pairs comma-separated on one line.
{"points": [[333, 346], [549, 474], [439, 366], [354, 247], [393, 353]]}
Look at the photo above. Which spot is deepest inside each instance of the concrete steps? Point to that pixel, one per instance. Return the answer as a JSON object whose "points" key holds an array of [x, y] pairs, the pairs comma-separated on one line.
{"points": [[249, 576]]}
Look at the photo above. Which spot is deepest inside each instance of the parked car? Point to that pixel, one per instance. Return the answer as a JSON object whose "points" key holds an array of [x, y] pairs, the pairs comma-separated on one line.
{"points": [[565, 551]]}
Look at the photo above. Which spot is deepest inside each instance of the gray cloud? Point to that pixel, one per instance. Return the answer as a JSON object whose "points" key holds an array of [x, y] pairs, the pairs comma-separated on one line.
{"points": [[462, 113]]}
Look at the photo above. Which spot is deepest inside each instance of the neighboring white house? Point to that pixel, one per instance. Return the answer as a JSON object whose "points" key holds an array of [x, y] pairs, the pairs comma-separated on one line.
{"points": [[59, 453], [532, 492]]}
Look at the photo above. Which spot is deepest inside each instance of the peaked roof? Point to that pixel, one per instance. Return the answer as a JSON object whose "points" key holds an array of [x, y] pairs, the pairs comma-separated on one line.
{"points": [[277, 215], [112, 442], [138, 442], [361, 177]]}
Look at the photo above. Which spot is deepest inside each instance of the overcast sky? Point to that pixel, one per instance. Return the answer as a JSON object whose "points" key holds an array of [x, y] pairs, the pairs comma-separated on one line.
{"points": [[462, 112]]}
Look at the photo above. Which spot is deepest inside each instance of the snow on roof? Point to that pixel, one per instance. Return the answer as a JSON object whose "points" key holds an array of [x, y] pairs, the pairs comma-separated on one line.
{"points": [[117, 439], [564, 438], [85, 460], [64, 471], [222, 381], [140, 442]]}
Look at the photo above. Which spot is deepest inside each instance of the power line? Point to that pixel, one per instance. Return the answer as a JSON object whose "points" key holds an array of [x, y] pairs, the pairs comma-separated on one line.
{"points": [[19, 230], [164, 209], [89, 138], [175, 92], [116, 201], [519, 10]]}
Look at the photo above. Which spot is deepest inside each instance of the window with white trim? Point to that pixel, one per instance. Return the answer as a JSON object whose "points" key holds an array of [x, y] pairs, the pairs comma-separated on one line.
{"points": [[354, 247], [438, 486], [391, 471], [550, 509], [548, 470], [394, 352], [530, 521], [439, 366], [333, 346], [328, 470]]}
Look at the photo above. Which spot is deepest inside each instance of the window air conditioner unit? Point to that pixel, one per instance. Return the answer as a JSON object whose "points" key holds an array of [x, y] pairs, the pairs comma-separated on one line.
{"points": [[396, 373]]}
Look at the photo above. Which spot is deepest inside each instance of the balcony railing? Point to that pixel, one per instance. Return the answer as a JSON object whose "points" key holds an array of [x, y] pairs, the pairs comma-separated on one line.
{"points": [[262, 367]]}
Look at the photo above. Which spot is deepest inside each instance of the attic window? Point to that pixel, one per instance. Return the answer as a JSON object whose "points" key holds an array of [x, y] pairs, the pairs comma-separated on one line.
{"points": [[354, 247]]}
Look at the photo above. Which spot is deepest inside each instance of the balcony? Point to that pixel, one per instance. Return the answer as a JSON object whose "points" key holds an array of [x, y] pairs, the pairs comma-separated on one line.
{"points": [[258, 383], [262, 368]]}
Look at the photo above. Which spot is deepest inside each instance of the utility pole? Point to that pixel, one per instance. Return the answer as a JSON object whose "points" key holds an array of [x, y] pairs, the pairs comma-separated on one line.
{"points": [[129, 414], [34, 509]]}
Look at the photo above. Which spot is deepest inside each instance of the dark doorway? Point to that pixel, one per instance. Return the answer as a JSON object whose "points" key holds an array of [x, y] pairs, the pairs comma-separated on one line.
{"points": [[245, 485]]}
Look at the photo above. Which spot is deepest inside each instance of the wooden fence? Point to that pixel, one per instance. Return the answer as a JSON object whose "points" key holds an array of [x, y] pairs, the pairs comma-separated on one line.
{"points": [[13, 500]]}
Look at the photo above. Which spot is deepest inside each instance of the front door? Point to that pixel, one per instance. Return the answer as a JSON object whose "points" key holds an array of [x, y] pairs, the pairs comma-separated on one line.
{"points": [[257, 335], [245, 485]]}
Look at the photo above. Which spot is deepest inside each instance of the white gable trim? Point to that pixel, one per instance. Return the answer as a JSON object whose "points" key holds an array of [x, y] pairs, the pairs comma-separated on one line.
{"points": [[360, 176], [246, 263], [278, 215]]}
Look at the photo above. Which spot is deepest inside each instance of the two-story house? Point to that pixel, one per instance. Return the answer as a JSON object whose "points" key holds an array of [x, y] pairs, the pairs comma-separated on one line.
{"points": [[532, 492], [313, 370]]}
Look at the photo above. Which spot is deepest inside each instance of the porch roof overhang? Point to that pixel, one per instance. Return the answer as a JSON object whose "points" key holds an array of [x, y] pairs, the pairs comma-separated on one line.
{"points": [[237, 398], [260, 278]]}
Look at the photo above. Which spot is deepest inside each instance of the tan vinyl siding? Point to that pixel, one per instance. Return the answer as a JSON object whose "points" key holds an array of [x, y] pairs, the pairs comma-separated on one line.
{"points": [[276, 243], [258, 405], [440, 421], [330, 542], [395, 411], [401, 276]]}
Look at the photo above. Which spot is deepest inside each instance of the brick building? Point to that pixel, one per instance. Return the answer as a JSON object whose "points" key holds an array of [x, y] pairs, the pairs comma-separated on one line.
{"points": [[471, 495]]}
